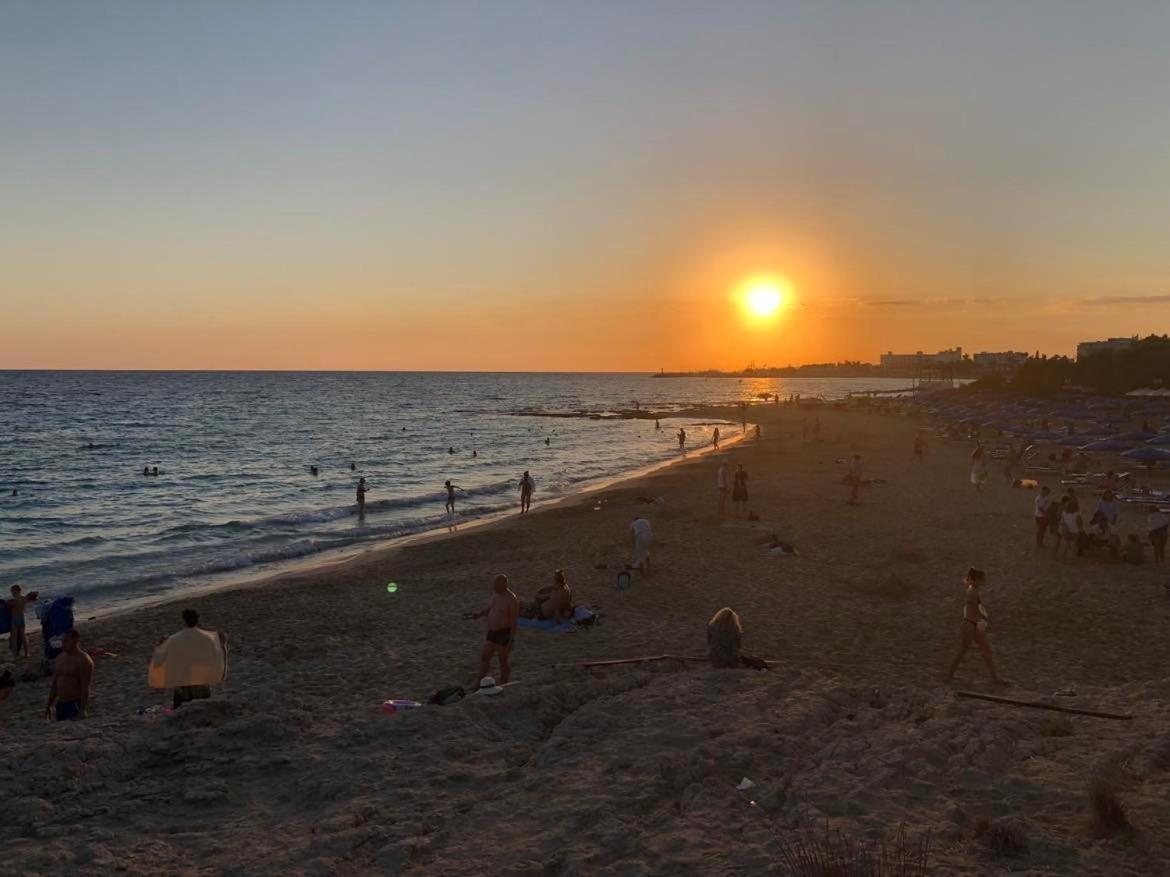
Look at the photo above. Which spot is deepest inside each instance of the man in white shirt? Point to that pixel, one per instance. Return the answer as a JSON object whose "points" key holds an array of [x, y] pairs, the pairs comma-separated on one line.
{"points": [[721, 482], [1043, 509], [641, 537]]}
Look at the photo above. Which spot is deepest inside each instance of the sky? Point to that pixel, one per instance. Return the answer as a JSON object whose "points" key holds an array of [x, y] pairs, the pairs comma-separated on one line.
{"points": [[576, 186]]}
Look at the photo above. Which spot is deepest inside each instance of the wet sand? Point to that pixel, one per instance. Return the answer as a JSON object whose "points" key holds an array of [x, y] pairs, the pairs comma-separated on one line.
{"points": [[632, 770]]}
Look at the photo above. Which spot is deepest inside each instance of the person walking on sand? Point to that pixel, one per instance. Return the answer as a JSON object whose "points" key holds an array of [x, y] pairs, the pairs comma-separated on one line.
{"points": [[642, 539], [72, 678], [1041, 511], [973, 626], [682, 438], [978, 466], [739, 491], [18, 630], [361, 497], [854, 478], [715, 439], [527, 485], [1156, 529], [1071, 529], [451, 488], [721, 483], [502, 614]]}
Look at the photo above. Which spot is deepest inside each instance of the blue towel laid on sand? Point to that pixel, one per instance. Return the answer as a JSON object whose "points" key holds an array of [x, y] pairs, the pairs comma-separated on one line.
{"points": [[546, 624]]}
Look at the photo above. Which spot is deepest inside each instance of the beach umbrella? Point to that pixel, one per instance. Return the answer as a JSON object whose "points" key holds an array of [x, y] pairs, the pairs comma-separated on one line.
{"points": [[1097, 430], [1136, 435], [1147, 455], [1109, 444], [1047, 436], [1072, 441], [1163, 439]]}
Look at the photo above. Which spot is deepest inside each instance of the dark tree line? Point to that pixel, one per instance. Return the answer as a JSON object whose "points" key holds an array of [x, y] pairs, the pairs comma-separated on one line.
{"points": [[1145, 363]]}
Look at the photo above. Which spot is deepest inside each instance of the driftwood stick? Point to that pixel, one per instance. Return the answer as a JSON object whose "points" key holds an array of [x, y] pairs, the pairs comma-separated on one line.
{"points": [[1043, 706], [700, 659]]}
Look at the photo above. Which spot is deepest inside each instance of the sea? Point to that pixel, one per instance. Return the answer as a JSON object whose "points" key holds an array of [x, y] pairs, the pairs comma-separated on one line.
{"points": [[234, 450]]}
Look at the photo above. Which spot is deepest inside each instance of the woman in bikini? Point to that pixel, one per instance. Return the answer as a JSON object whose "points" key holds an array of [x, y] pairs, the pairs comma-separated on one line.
{"points": [[973, 626]]}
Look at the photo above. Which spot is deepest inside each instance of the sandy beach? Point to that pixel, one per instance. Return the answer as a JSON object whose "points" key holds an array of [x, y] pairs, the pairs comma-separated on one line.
{"points": [[293, 768]]}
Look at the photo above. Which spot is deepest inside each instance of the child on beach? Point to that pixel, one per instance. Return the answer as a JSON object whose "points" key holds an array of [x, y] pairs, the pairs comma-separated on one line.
{"points": [[502, 614], [451, 488], [18, 636], [973, 625]]}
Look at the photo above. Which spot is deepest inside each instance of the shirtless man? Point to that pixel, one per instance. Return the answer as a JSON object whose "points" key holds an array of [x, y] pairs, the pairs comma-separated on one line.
{"points": [[972, 626], [18, 636], [715, 439], [502, 614], [451, 488], [682, 438], [526, 487], [361, 496], [72, 676]]}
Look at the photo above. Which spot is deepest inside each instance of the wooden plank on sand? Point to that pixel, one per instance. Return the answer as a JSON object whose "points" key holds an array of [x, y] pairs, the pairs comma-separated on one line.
{"points": [[1042, 706]]}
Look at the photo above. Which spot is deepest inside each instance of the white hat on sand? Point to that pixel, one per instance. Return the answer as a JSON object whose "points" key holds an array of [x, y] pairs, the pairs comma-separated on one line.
{"points": [[487, 685]]}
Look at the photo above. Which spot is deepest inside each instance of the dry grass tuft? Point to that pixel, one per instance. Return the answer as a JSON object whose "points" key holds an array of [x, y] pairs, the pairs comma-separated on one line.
{"points": [[1004, 837], [834, 854], [1106, 810]]}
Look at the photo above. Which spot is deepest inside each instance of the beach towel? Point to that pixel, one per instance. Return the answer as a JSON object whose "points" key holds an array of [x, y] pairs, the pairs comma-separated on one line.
{"points": [[190, 657], [547, 625]]}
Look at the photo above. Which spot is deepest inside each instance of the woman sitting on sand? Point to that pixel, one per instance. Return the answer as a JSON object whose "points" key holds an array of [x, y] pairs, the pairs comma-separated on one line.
{"points": [[973, 625], [554, 602], [724, 638]]}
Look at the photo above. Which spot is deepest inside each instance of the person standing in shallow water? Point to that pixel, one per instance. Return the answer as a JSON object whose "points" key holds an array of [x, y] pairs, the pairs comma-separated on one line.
{"points": [[361, 496], [682, 438], [527, 485], [973, 626], [715, 439]]}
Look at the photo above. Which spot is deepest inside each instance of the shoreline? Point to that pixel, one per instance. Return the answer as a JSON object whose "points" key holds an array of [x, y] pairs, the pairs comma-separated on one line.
{"points": [[336, 560]]}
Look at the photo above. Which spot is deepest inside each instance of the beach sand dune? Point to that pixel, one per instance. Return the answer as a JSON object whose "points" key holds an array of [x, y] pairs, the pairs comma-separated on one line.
{"points": [[292, 768]]}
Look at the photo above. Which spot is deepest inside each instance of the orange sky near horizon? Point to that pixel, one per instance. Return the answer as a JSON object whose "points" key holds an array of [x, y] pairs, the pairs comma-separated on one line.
{"points": [[439, 188]]}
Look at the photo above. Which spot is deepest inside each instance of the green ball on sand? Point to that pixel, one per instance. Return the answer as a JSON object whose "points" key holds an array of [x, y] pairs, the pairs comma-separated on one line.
{"points": [[392, 587]]}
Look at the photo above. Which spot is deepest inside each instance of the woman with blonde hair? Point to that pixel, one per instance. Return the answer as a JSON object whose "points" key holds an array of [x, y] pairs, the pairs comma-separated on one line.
{"points": [[724, 638]]}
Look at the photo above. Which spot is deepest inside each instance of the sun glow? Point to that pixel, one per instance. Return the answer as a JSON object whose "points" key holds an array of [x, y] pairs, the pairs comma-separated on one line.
{"points": [[762, 298]]}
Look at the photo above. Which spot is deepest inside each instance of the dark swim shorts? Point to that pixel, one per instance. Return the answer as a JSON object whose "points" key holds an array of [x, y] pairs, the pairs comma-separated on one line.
{"points": [[68, 710], [501, 637]]}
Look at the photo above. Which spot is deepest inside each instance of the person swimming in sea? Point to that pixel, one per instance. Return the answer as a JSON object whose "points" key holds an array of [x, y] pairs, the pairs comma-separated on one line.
{"points": [[451, 450], [313, 470]]}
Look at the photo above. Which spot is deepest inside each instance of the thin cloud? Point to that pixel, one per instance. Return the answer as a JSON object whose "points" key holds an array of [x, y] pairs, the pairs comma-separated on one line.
{"points": [[1110, 300]]}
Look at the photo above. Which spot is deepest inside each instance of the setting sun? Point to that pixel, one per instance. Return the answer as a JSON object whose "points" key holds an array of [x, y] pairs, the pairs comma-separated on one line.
{"points": [[762, 298]]}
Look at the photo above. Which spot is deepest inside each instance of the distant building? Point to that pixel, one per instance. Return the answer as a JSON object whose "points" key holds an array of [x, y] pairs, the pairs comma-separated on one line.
{"points": [[1088, 348], [915, 360], [996, 361]]}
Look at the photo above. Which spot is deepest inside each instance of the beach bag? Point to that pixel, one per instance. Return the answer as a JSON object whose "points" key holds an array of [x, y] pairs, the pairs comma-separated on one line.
{"points": [[445, 696], [56, 619], [584, 617]]}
